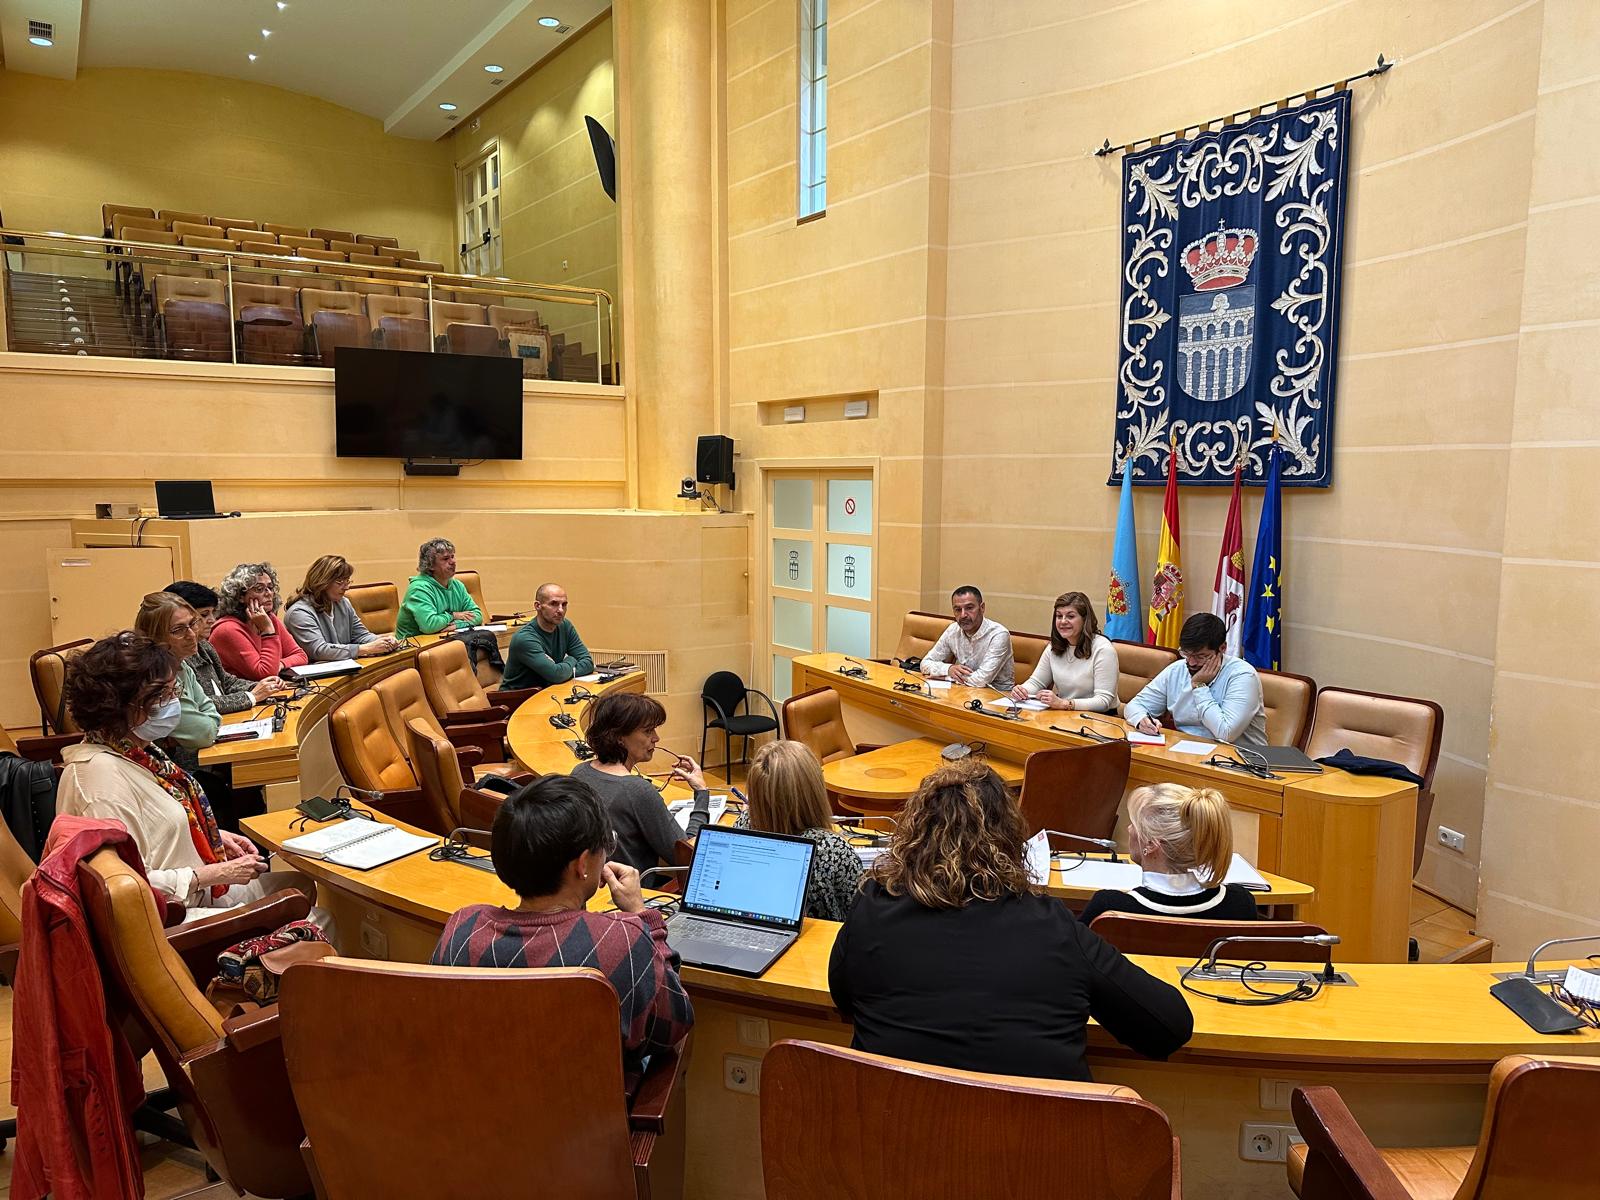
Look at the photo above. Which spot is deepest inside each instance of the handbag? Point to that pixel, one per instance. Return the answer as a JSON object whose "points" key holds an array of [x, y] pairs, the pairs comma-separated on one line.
{"points": [[251, 970]]}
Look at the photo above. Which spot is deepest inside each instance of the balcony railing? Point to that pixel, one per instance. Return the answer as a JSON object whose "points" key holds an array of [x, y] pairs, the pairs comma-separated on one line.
{"points": [[80, 295]]}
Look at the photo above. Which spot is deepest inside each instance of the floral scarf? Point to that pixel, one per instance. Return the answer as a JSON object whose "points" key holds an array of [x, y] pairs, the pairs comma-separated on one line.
{"points": [[181, 786]]}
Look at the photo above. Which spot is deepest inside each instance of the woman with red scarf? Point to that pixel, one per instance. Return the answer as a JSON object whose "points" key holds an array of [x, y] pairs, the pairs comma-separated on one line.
{"points": [[123, 693]]}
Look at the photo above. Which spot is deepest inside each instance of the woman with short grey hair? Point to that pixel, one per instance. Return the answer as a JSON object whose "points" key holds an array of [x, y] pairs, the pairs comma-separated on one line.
{"points": [[249, 638]]}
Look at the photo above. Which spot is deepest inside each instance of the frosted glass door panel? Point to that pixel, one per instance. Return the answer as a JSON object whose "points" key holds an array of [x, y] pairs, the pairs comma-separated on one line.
{"points": [[850, 571], [782, 679], [791, 564], [850, 632], [791, 623], [849, 506], [791, 503]]}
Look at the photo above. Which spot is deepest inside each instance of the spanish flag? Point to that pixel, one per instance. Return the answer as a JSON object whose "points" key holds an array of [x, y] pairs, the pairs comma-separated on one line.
{"points": [[1166, 586]]}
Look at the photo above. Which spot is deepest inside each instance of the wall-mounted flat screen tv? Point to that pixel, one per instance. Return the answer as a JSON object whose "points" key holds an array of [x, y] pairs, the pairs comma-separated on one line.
{"points": [[407, 404]]}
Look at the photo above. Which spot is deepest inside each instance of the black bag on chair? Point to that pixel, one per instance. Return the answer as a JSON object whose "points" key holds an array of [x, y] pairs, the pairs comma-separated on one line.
{"points": [[481, 647]]}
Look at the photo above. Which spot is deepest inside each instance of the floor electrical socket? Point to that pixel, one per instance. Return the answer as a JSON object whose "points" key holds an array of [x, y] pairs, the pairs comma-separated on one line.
{"points": [[1266, 1143], [741, 1074]]}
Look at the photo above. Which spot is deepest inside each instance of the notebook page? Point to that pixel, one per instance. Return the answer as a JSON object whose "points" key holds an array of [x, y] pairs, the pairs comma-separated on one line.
{"points": [[389, 845], [322, 842]]}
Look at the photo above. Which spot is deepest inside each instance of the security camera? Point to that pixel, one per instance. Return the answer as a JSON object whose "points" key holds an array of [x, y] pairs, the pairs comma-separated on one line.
{"points": [[687, 489]]}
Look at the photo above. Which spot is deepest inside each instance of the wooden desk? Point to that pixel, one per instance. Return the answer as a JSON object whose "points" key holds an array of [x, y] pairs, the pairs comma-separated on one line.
{"points": [[1350, 837], [883, 779], [1410, 1045]]}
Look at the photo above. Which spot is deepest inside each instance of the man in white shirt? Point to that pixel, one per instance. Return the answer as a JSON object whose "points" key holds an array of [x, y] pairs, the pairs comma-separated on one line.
{"points": [[974, 651], [1209, 693]]}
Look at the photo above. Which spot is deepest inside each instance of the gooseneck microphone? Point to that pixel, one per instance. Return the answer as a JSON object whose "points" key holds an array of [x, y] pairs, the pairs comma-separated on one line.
{"points": [[1102, 843], [1311, 939]]}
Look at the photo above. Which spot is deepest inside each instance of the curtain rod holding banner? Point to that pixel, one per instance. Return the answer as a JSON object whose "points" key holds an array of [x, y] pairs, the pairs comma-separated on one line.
{"points": [[1248, 113]]}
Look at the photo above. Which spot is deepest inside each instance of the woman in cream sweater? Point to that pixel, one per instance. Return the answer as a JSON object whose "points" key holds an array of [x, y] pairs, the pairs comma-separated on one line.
{"points": [[1079, 671]]}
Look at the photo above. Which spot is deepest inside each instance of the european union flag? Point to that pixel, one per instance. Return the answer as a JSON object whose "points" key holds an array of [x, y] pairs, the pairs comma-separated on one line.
{"points": [[1263, 615], [1124, 610]]}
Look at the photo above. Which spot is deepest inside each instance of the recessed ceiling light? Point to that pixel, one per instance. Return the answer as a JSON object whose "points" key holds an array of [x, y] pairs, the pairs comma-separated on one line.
{"points": [[41, 41], [447, 107], [282, 5], [550, 22], [494, 68], [252, 58]]}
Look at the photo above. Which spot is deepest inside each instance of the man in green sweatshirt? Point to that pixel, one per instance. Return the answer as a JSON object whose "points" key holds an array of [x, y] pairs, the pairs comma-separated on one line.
{"points": [[435, 600], [548, 649]]}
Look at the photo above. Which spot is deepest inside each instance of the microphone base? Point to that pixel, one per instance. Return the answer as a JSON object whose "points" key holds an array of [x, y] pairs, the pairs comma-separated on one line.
{"points": [[1312, 971]]}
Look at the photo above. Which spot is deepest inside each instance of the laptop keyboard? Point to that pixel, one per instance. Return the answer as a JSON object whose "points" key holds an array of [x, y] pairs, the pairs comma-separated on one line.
{"points": [[729, 935]]}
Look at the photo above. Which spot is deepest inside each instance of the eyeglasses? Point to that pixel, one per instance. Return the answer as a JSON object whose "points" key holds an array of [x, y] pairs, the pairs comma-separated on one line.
{"points": [[183, 630]]}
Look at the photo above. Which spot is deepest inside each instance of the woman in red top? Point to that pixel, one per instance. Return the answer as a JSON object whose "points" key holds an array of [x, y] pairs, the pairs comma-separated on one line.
{"points": [[248, 637]]}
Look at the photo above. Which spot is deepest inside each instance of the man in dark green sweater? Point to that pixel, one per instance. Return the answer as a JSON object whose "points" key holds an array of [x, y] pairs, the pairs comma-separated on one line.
{"points": [[548, 649]]}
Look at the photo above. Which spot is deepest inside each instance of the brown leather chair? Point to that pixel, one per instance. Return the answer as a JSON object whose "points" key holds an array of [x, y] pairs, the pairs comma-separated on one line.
{"points": [[453, 690], [331, 330], [1026, 651], [48, 670], [401, 333], [245, 224], [293, 243], [191, 242], [836, 1124], [285, 230], [332, 235], [1288, 700], [369, 757], [816, 720], [1402, 729], [272, 334], [260, 294], [110, 212], [919, 631], [1188, 937], [377, 604], [1137, 665], [172, 216], [345, 247], [195, 330], [1075, 789], [204, 229], [368, 239], [408, 307], [473, 582], [1536, 1128], [438, 770], [460, 338], [403, 700], [361, 1035], [233, 1090]]}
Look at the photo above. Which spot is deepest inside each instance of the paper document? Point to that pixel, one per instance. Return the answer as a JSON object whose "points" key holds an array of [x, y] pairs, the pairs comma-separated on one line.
{"points": [[868, 854], [1007, 703], [682, 809], [358, 843], [1585, 985], [261, 728], [940, 685], [595, 678], [500, 628], [1099, 873], [338, 666], [1246, 876], [1188, 747], [1145, 739], [1036, 853]]}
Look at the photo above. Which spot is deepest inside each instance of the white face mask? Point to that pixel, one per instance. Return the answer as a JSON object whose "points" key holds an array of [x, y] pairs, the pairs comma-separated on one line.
{"points": [[162, 721]]}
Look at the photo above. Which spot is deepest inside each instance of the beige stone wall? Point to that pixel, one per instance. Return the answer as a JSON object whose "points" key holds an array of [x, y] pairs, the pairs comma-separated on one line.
{"points": [[202, 143], [1542, 815], [559, 226]]}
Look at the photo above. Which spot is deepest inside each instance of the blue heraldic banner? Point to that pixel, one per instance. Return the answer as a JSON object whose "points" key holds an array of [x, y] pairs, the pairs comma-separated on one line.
{"points": [[1230, 299]]}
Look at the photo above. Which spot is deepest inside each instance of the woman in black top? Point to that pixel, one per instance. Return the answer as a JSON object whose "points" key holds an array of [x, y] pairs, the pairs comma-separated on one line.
{"points": [[1183, 838], [950, 956]]}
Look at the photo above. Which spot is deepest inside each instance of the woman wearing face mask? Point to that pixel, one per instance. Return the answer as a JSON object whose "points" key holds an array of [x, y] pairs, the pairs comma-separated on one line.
{"points": [[124, 693], [171, 621], [227, 691], [249, 638]]}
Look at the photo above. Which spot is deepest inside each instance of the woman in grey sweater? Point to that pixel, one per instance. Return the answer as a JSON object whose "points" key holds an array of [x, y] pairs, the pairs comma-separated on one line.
{"points": [[324, 623]]}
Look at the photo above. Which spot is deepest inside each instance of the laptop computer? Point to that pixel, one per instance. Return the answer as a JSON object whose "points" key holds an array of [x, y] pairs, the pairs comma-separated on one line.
{"points": [[185, 499], [744, 901], [1280, 758]]}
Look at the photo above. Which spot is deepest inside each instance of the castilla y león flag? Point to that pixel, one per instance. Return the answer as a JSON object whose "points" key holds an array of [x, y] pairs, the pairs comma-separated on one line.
{"points": [[1227, 593]]}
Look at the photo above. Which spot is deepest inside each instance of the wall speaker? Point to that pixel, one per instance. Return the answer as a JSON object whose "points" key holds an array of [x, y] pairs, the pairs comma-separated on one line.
{"points": [[714, 460]]}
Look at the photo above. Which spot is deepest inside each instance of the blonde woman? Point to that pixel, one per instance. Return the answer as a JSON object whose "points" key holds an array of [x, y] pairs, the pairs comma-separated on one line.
{"points": [[1183, 838], [787, 796], [951, 956], [324, 623]]}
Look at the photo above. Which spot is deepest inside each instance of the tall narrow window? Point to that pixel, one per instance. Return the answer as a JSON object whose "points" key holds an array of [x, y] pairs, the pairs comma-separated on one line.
{"points": [[813, 107]]}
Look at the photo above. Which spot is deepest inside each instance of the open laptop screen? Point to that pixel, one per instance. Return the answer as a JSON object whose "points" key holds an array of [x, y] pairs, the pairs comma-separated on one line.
{"points": [[757, 877], [182, 497]]}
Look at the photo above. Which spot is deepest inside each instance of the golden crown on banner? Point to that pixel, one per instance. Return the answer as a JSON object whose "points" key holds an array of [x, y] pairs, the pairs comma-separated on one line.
{"points": [[1221, 259]]}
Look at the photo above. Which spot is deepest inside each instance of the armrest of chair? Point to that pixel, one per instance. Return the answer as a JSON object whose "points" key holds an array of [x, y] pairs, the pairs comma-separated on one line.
{"points": [[252, 1029], [488, 740], [475, 716], [1336, 1143], [8, 963], [469, 755], [199, 942], [510, 698], [668, 1071], [863, 747], [771, 707], [405, 804], [47, 748]]}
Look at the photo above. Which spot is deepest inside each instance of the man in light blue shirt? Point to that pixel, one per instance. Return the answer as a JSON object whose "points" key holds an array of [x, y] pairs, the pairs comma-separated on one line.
{"points": [[1209, 694]]}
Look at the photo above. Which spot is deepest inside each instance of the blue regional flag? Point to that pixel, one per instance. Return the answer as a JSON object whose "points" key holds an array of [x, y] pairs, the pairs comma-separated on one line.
{"points": [[1124, 608], [1263, 615]]}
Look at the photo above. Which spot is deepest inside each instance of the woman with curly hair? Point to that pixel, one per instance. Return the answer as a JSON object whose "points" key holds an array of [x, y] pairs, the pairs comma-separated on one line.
{"points": [[951, 956], [124, 693], [248, 636]]}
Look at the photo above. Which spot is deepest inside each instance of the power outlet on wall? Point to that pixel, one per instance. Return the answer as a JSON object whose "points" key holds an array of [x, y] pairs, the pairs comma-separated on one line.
{"points": [[1452, 840], [741, 1074], [1266, 1143]]}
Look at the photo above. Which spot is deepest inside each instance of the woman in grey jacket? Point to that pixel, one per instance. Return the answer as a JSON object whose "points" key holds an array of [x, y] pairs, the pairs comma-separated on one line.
{"points": [[324, 623]]}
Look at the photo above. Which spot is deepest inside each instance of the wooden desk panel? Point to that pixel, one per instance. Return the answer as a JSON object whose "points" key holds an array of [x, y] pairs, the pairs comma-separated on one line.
{"points": [[1350, 837]]}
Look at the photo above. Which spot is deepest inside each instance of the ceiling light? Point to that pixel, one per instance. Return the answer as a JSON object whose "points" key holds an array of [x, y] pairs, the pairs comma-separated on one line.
{"points": [[41, 41], [494, 68], [550, 22], [447, 107], [266, 33], [282, 5], [252, 58]]}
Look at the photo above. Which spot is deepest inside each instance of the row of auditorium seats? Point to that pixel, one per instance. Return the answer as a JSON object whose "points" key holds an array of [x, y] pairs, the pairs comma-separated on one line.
{"points": [[133, 223]]}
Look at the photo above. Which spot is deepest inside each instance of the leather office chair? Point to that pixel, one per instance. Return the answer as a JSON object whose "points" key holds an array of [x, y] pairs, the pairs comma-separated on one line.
{"points": [[1288, 700], [721, 697], [972, 1135], [369, 757], [1537, 1125], [48, 670], [377, 604], [533, 1114], [233, 1090], [473, 582], [1402, 729], [453, 690], [1137, 665], [438, 771], [1026, 651], [1075, 789], [919, 631], [815, 719], [403, 699], [1190, 937]]}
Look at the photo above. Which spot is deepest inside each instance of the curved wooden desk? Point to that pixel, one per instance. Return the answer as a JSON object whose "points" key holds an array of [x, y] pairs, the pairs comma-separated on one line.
{"points": [[883, 779], [1348, 836], [1410, 1045]]}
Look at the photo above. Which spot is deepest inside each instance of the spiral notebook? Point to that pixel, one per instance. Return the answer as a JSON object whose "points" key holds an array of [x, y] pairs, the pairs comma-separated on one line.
{"points": [[358, 844]]}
